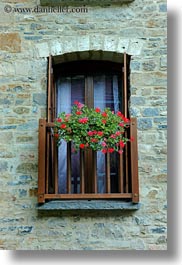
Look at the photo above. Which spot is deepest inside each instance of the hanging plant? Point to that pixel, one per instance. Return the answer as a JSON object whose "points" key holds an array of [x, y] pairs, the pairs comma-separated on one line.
{"points": [[92, 128]]}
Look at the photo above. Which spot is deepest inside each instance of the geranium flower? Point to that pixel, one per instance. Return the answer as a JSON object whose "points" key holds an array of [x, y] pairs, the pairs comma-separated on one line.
{"points": [[125, 119], [100, 133], [90, 133], [63, 126], [80, 105], [97, 110], [104, 114], [121, 144], [82, 146], [120, 151], [121, 124], [104, 151], [76, 102], [118, 133], [94, 140], [78, 112], [120, 114], [103, 144], [83, 120], [110, 150], [95, 128]]}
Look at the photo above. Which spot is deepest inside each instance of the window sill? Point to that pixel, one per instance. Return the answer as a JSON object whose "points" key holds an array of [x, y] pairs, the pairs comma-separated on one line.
{"points": [[89, 205]]}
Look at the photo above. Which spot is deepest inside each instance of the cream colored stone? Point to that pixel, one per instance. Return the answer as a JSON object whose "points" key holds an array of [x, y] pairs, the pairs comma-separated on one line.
{"points": [[43, 49]]}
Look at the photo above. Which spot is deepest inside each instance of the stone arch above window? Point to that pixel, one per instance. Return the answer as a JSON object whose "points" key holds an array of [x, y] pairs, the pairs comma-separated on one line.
{"points": [[89, 44]]}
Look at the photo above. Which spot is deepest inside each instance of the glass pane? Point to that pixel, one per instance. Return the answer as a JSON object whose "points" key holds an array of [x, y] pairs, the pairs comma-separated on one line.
{"points": [[69, 89], [106, 94]]}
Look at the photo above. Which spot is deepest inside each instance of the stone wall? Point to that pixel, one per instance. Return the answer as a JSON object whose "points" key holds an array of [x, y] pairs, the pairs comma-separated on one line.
{"points": [[27, 38]]}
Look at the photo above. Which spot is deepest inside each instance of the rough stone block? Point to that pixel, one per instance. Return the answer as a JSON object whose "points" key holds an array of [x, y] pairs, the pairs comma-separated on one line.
{"points": [[43, 49], [3, 166], [10, 42], [96, 42], [163, 7], [135, 47], [137, 100], [55, 47], [149, 112], [163, 62], [149, 65], [83, 43], [144, 123], [69, 44], [26, 168], [149, 79], [39, 98], [110, 43]]}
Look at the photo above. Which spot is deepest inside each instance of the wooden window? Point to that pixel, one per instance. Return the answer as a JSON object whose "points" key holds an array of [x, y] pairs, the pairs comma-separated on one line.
{"points": [[87, 174]]}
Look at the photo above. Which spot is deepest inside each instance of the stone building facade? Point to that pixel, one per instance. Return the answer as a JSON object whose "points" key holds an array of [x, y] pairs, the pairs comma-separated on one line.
{"points": [[27, 38]]}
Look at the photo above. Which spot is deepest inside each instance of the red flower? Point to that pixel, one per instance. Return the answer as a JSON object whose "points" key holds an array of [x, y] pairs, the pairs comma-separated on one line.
{"points": [[90, 133], [76, 102], [120, 151], [94, 140], [59, 120], [118, 133], [78, 112], [110, 150], [97, 110], [104, 121], [82, 146], [113, 136], [100, 133], [63, 126], [80, 105], [132, 139], [120, 114], [103, 144], [121, 124], [121, 144], [125, 119], [56, 135], [104, 114], [83, 120], [104, 151]]}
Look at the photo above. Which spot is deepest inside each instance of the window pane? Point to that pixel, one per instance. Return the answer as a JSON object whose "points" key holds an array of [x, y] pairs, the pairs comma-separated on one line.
{"points": [[106, 94], [69, 89]]}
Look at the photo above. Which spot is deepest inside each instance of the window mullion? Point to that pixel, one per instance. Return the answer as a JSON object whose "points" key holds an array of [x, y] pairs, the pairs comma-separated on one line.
{"points": [[89, 91]]}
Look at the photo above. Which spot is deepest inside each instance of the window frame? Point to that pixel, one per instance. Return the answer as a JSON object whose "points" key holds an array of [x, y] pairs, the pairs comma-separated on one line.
{"points": [[47, 143]]}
